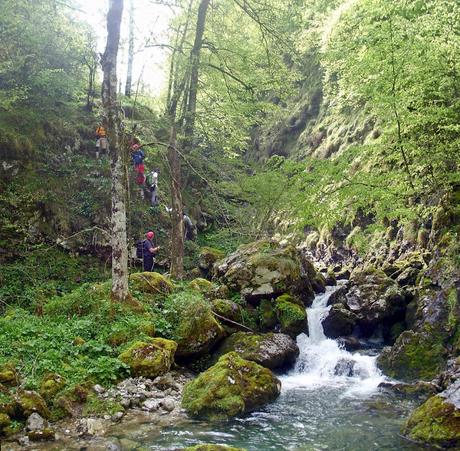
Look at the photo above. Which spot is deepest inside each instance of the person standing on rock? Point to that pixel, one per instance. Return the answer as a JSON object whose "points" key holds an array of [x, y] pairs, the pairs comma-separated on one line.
{"points": [[189, 230], [149, 251]]}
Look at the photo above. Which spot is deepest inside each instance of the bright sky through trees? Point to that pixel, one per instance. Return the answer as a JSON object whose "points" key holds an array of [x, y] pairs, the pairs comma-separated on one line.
{"points": [[151, 25]]}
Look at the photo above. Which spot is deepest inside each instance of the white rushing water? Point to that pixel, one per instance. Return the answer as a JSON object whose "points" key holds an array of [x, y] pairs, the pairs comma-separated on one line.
{"points": [[323, 361]]}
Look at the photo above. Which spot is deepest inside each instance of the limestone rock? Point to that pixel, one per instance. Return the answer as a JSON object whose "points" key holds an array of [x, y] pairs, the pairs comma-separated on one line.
{"points": [[151, 358], [269, 350], [233, 386]]}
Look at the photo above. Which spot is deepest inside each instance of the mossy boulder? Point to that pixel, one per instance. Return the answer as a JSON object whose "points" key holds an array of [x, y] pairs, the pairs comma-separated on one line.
{"points": [[264, 269], [198, 333], [437, 421], [150, 359], [269, 350], [9, 375], [51, 385], [151, 282], [201, 285], [233, 386], [339, 322], [291, 316], [228, 309], [207, 447], [5, 422], [267, 315], [207, 257], [415, 355], [29, 402]]}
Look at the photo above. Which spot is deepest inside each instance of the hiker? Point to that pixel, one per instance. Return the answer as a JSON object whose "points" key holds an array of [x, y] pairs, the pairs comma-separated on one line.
{"points": [[152, 184], [149, 251], [101, 140], [137, 157], [189, 232]]}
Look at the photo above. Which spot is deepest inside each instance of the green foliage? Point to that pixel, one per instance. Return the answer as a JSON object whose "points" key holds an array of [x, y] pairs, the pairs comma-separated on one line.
{"points": [[42, 273]]}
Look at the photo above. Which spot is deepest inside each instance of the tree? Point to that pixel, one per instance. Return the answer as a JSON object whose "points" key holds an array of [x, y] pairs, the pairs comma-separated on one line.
{"points": [[129, 75], [112, 122]]}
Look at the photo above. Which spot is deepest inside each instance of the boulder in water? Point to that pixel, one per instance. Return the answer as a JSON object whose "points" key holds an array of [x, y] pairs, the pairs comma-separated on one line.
{"points": [[344, 367], [269, 350], [339, 322], [437, 421], [233, 386]]}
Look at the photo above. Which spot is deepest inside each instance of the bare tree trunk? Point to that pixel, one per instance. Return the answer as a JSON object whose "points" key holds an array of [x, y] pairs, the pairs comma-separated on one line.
{"points": [[177, 228], [129, 76], [189, 127], [112, 123]]}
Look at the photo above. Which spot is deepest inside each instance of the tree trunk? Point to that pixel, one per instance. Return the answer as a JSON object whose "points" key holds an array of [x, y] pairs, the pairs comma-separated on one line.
{"points": [[177, 227], [129, 76], [189, 127], [112, 124]]}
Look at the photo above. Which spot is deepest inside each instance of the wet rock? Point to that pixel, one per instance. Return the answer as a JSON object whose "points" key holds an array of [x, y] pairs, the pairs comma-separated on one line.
{"points": [[41, 435], [151, 358], [231, 387], [269, 350], [92, 426], [117, 416], [344, 367], [350, 343], [339, 322], [417, 390]]}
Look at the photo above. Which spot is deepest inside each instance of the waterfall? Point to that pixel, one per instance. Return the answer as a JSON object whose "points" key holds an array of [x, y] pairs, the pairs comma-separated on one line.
{"points": [[323, 361]]}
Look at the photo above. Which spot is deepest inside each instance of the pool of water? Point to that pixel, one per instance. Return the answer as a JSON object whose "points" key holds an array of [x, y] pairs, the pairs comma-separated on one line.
{"points": [[329, 401]]}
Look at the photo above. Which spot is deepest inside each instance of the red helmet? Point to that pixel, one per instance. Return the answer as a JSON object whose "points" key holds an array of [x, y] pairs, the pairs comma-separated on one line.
{"points": [[150, 235], [135, 146]]}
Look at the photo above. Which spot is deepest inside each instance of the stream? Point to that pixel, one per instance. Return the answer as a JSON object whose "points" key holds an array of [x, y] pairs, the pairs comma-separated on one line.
{"points": [[329, 401]]}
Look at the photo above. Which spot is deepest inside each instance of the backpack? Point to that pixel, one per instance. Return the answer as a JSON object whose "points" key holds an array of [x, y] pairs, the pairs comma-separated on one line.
{"points": [[140, 249]]}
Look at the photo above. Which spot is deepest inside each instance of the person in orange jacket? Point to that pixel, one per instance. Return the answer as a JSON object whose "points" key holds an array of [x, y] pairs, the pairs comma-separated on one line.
{"points": [[101, 140]]}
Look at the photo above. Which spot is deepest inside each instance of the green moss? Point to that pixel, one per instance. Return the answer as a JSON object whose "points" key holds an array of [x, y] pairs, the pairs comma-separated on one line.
{"points": [[151, 282], [96, 406], [414, 356], [5, 422], [209, 255], [8, 375], [201, 285], [150, 359], [267, 315], [30, 402], [293, 317], [231, 387], [51, 385], [436, 421]]}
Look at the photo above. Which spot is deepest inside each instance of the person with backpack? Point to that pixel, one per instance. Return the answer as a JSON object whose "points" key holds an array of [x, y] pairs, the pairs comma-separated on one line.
{"points": [[152, 184], [147, 250], [137, 157]]}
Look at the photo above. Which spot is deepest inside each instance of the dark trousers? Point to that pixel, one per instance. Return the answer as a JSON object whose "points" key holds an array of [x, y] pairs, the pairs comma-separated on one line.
{"points": [[148, 263]]}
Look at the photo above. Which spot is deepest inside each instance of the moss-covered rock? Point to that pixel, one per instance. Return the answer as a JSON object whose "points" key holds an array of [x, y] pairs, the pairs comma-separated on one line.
{"points": [[264, 269], [292, 317], [198, 333], [5, 422], [207, 257], [415, 355], [29, 402], [233, 386], [437, 421], [228, 309], [42, 435], [267, 315], [51, 385], [8, 375], [151, 282], [201, 285], [269, 350], [208, 447], [150, 359]]}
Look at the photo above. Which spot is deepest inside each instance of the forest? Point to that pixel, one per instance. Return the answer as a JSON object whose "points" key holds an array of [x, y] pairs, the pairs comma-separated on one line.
{"points": [[229, 225]]}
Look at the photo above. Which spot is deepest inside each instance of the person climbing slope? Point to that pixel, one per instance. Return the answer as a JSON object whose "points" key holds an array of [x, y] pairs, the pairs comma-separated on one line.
{"points": [[189, 229], [137, 157], [101, 140], [149, 250], [152, 184]]}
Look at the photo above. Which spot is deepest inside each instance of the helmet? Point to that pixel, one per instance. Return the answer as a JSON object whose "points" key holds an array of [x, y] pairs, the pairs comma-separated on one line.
{"points": [[150, 235]]}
